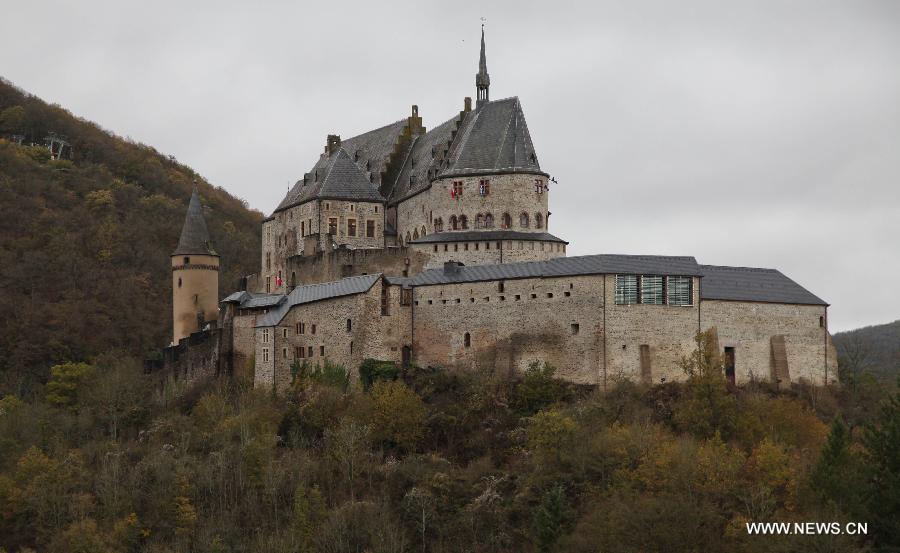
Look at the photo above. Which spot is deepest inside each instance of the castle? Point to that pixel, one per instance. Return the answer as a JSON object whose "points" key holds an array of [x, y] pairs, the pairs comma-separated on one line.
{"points": [[434, 247]]}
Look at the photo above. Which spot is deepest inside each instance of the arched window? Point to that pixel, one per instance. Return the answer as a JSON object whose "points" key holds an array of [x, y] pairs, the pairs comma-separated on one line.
{"points": [[507, 221], [467, 340], [423, 231], [453, 223], [488, 220], [407, 237], [538, 220], [438, 225], [523, 220], [293, 279], [479, 221], [415, 234], [463, 222]]}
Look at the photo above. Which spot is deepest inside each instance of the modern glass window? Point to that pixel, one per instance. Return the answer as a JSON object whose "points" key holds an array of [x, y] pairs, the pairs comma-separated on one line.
{"points": [[652, 290], [679, 290], [626, 289]]}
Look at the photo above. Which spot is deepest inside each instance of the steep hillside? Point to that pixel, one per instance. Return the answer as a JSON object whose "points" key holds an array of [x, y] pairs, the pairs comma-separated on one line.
{"points": [[873, 349], [85, 242]]}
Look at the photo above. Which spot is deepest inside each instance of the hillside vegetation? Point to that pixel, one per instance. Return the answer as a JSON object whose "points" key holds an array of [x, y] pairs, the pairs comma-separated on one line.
{"points": [[872, 350], [424, 460], [85, 242]]}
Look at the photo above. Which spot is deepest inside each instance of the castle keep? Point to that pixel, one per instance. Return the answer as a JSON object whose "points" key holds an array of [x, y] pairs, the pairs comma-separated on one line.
{"points": [[434, 247]]}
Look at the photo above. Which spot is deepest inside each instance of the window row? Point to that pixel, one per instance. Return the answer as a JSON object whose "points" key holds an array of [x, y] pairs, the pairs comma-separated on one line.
{"points": [[484, 188], [486, 220], [351, 227], [654, 290]]}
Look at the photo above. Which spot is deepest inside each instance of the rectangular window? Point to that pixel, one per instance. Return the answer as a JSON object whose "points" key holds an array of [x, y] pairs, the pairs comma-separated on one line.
{"points": [[322, 351], [301, 328], [302, 228], [268, 261], [349, 325], [351, 227], [484, 187], [265, 335], [652, 290], [370, 229], [679, 290], [332, 226], [268, 284], [284, 353], [626, 289], [309, 351], [299, 352], [312, 329], [284, 333], [265, 355]]}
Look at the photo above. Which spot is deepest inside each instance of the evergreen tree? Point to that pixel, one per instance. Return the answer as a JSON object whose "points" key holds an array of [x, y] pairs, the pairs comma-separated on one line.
{"points": [[835, 477], [549, 518], [882, 440]]}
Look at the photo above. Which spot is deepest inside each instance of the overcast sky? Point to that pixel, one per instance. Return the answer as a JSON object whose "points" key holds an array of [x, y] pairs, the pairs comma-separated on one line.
{"points": [[743, 133]]}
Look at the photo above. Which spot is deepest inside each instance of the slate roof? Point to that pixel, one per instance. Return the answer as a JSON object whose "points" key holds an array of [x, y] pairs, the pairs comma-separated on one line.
{"points": [[317, 292], [194, 234], [752, 284], [483, 235], [494, 138], [560, 266], [368, 151], [249, 300]]}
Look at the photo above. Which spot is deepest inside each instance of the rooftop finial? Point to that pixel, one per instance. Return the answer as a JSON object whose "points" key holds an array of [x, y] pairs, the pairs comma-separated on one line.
{"points": [[482, 79]]}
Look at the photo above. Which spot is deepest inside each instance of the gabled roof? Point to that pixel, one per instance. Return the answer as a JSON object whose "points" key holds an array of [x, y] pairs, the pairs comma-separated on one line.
{"points": [[494, 138], [345, 181], [194, 234], [368, 151], [422, 162], [753, 284], [482, 235], [317, 292], [558, 267]]}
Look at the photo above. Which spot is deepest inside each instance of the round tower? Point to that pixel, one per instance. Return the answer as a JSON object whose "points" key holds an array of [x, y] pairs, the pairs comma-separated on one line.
{"points": [[195, 275]]}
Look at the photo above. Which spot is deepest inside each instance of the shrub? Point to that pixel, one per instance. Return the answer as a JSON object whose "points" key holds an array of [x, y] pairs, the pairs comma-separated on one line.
{"points": [[373, 370]]}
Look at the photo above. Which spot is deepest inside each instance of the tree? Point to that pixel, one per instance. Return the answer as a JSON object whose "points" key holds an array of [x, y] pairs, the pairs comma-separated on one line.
{"points": [[707, 407], [538, 389], [549, 518], [309, 511], [835, 476], [882, 441], [399, 414], [67, 383], [13, 120], [548, 432], [348, 445]]}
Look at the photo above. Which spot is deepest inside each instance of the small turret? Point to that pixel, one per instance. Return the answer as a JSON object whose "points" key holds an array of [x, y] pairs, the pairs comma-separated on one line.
{"points": [[195, 275]]}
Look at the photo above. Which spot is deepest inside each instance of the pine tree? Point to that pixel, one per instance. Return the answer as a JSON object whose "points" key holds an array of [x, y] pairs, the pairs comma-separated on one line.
{"points": [[835, 477], [882, 441]]}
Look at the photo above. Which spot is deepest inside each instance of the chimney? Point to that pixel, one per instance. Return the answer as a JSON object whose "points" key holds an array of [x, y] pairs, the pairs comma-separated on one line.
{"points": [[452, 267], [332, 144], [467, 104]]}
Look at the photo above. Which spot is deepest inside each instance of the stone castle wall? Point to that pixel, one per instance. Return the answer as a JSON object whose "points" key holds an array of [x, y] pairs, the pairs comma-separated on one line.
{"points": [[488, 251], [748, 327], [343, 262], [512, 193], [195, 289]]}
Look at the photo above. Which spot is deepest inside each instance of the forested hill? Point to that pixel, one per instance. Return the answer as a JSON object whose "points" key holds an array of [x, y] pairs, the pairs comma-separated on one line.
{"points": [[871, 349], [85, 242]]}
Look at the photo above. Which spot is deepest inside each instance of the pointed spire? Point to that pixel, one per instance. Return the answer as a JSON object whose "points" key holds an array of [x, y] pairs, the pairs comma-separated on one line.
{"points": [[194, 234], [482, 79]]}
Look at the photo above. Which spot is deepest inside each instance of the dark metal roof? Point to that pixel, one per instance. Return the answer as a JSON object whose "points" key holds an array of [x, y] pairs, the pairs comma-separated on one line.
{"points": [[494, 138], [558, 267], [194, 234], [485, 235], [752, 284], [317, 292], [423, 160], [249, 300], [345, 181]]}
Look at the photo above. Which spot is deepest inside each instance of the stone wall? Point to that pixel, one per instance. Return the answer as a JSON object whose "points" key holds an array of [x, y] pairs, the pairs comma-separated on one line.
{"points": [[667, 332], [194, 360], [511, 193], [556, 320], [296, 231], [748, 327], [484, 252], [325, 335], [344, 262]]}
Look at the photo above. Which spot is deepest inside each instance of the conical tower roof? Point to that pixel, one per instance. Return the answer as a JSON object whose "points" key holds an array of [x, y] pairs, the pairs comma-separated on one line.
{"points": [[194, 234]]}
